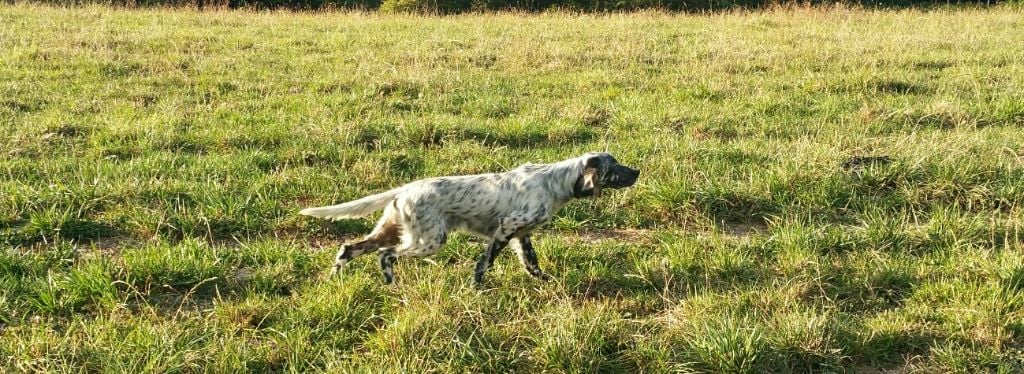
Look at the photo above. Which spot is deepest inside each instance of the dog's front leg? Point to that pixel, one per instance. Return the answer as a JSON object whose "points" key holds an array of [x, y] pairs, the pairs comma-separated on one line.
{"points": [[528, 258], [493, 249], [510, 227]]}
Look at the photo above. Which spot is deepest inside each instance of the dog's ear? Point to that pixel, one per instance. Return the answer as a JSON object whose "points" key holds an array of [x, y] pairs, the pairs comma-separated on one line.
{"points": [[587, 184]]}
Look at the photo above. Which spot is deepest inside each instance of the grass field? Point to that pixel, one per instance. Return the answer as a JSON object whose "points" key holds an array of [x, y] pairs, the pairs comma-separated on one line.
{"points": [[822, 190]]}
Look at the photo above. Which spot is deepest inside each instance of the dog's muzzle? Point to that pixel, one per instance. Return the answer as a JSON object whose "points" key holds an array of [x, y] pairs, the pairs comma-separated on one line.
{"points": [[623, 177]]}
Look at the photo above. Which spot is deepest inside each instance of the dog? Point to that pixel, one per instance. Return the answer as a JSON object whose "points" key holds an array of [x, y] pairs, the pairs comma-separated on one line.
{"points": [[502, 208]]}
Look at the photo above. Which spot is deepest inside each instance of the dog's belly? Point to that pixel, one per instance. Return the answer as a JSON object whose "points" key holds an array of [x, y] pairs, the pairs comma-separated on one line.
{"points": [[476, 225]]}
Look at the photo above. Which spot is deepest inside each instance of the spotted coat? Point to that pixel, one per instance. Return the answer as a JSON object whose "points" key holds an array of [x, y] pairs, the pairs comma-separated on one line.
{"points": [[502, 208]]}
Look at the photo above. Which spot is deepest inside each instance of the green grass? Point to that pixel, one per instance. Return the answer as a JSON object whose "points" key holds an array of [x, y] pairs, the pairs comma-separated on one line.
{"points": [[152, 163]]}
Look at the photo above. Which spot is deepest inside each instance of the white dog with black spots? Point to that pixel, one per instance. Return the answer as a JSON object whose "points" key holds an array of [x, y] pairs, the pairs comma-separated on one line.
{"points": [[501, 207]]}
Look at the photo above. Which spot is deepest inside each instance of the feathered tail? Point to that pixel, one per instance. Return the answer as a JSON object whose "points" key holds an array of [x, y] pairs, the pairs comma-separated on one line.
{"points": [[355, 208]]}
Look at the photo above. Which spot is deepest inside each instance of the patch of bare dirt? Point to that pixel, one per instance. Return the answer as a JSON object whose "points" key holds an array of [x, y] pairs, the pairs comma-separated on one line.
{"points": [[636, 236], [744, 230]]}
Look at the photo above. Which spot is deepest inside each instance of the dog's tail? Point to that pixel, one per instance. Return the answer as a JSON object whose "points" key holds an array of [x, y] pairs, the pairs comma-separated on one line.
{"points": [[354, 209]]}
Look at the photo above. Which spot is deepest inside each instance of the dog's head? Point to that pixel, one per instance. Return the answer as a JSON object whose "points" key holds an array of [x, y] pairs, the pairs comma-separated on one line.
{"points": [[601, 170]]}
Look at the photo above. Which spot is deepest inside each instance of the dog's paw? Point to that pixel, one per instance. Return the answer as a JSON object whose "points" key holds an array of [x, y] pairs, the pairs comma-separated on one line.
{"points": [[545, 277]]}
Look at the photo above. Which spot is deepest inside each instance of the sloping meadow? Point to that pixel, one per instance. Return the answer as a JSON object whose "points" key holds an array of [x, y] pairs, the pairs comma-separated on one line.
{"points": [[822, 190]]}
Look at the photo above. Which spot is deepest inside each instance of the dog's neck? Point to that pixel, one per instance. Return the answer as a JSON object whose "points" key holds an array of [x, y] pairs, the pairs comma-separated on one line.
{"points": [[561, 178]]}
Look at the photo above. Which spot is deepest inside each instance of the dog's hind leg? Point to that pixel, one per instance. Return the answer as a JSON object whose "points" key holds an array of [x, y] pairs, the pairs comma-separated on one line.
{"points": [[386, 234], [423, 233], [387, 264], [425, 238], [350, 251]]}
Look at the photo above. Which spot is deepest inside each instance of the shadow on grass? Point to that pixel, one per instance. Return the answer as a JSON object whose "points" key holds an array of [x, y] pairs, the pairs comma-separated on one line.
{"points": [[539, 137], [732, 207], [646, 287], [46, 229]]}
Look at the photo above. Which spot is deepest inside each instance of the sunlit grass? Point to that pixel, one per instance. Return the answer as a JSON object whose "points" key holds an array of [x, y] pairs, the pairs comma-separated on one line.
{"points": [[822, 189]]}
